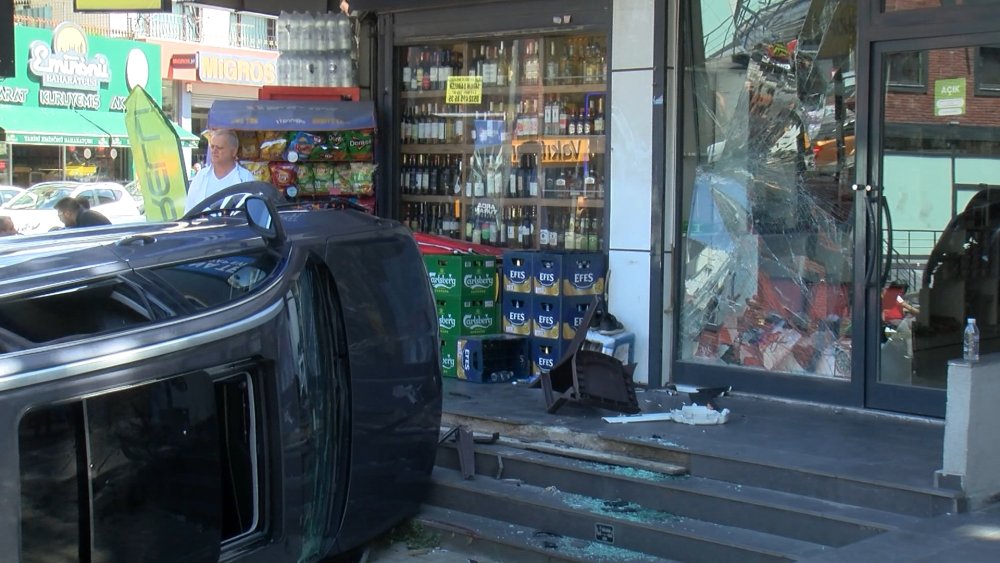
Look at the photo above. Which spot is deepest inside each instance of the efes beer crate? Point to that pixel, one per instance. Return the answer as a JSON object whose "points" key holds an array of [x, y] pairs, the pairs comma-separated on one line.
{"points": [[449, 362], [493, 359], [545, 353], [518, 273], [454, 276], [467, 317], [558, 317], [516, 310], [568, 273]]}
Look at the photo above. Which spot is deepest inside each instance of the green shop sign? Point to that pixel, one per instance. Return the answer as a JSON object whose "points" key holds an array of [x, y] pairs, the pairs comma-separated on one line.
{"points": [[67, 69]]}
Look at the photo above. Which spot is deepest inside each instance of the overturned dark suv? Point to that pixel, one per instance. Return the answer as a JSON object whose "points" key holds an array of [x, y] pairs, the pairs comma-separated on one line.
{"points": [[245, 384]]}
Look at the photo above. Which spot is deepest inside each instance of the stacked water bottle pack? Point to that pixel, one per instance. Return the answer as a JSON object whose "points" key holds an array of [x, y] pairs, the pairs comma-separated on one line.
{"points": [[316, 49]]}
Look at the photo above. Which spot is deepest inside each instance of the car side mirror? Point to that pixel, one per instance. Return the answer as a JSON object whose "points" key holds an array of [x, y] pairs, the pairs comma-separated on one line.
{"points": [[262, 216]]}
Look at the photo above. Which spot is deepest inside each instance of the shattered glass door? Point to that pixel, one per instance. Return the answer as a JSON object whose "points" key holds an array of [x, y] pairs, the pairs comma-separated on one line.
{"points": [[767, 214]]}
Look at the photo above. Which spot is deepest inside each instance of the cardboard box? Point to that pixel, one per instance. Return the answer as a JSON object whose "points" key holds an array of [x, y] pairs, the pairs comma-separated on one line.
{"points": [[467, 317], [493, 359], [518, 271], [454, 276], [516, 310], [569, 273], [449, 355]]}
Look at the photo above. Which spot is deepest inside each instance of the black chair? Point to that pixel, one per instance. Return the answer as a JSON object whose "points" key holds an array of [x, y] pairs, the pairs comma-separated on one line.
{"points": [[589, 377]]}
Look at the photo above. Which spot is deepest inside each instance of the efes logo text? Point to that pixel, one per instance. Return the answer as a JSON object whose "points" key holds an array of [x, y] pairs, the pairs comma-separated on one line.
{"points": [[473, 281], [547, 278], [439, 281], [545, 362], [518, 275], [517, 318], [583, 280]]}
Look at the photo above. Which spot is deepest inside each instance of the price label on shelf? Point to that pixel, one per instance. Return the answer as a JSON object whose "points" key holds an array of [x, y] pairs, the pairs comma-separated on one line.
{"points": [[464, 90]]}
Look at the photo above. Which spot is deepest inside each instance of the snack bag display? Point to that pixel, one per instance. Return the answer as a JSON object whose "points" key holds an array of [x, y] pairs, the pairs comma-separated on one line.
{"points": [[249, 149], [303, 144], [260, 170], [323, 177], [361, 178], [337, 142], [283, 175], [360, 144], [272, 145], [306, 180], [341, 180]]}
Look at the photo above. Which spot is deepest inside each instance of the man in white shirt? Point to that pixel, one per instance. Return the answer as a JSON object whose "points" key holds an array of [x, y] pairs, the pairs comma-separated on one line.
{"points": [[222, 172]]}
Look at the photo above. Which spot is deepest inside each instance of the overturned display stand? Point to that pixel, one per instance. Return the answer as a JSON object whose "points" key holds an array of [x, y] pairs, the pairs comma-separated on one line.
{"points": [[296, 140]]}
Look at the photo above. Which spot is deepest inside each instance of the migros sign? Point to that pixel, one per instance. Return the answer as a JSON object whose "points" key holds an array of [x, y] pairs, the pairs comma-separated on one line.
{"points": [[222, 68]]}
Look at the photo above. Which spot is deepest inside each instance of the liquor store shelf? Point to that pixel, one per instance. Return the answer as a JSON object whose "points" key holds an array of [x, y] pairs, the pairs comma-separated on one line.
{"points": [[518, 90], [577, 202], [525, 145]]}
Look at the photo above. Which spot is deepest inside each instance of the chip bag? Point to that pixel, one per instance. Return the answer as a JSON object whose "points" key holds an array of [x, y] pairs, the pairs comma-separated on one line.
{"points": [[260, 170], [272, 145], [306, 180], [249, 149], [360, 144]]}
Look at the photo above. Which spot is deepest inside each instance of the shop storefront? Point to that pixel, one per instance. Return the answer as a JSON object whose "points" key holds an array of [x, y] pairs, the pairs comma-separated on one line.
{"points": [[195, 76], [62, 114], [773, 218]]}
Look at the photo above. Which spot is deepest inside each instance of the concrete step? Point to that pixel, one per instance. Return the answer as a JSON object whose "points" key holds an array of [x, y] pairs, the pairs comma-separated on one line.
{"points": [[618, 522], [504, 541], [762, 510]]}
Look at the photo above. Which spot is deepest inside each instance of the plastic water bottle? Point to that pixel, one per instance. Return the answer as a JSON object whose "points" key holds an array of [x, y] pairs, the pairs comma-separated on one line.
{"points": [[970, 341]]}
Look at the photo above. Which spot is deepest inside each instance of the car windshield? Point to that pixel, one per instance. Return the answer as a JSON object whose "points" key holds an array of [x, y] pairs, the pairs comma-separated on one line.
{"points": [[41, 197]]}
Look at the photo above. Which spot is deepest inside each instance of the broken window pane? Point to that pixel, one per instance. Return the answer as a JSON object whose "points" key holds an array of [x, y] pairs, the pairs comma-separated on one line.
{"points": [[767, 219]]}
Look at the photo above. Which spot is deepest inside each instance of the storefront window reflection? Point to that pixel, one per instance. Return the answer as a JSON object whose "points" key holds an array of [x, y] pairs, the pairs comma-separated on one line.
{"points": [[767, 222]]}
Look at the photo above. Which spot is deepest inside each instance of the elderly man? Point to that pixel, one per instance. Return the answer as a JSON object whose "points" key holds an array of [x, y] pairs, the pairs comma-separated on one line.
{"points": [[222, 172], [7, 226]]}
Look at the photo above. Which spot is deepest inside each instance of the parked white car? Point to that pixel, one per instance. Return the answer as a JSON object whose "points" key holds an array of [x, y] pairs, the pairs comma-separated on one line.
{"points": [[34, 210], [8, 193]]}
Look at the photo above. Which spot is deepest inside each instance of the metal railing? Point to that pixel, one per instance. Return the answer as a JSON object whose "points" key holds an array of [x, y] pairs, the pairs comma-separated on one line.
{"points": [[248, 31], [910, 250]]}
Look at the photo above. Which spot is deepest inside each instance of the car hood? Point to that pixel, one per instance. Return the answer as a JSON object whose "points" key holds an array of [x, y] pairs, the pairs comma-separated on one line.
{"points": [[29, 221]]}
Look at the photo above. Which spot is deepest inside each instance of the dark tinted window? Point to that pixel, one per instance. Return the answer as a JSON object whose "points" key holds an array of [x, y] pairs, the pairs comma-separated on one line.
{"points": [[208, 283], [988, 70], [907, 70], [92, 308], [131, 475]]}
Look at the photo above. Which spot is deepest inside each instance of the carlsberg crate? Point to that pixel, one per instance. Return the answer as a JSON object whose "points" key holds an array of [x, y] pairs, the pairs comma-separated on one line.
{"points": [[464, 276], [467, 317], [568, 273], [449, 362]]}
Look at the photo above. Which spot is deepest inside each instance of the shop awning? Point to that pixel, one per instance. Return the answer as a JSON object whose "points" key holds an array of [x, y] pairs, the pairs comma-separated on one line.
{"points": [[276, 115], [114, 124], [40, 126]]}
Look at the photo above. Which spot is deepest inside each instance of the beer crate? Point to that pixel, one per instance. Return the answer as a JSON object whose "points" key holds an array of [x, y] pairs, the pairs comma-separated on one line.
{"points": [[568, 273], [454, 276], [545, 353], [449, 353], [558, 317], [517, 271], [517, 310], [467, 317], [493, 359]]}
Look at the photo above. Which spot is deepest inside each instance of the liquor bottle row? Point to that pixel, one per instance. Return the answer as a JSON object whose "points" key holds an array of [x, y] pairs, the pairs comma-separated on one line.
{"points": [[451, 175], [428, 124], [573, 60], [509, 227]]}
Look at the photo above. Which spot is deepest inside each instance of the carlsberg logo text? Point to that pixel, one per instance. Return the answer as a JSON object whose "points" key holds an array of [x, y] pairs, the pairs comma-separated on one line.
{"points": [[473, 281], [439, 281], [448, 362], [477, 321], [447, 323]]}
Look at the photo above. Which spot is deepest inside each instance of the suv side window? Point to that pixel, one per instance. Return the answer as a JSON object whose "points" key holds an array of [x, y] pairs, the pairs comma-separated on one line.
{"points": [[209, 283]]}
